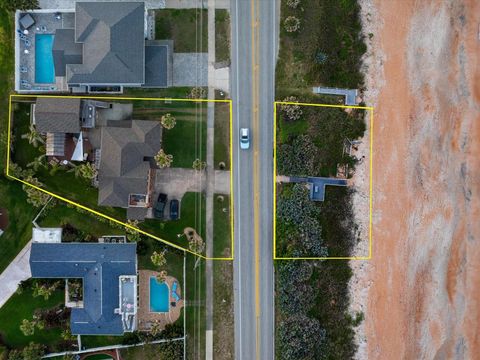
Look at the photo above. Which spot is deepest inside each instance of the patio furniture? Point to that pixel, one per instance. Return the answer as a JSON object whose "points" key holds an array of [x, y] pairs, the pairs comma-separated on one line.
{"points": [[23, 69], [27, 43], [23, 37], [26, 21], [43, 28]]}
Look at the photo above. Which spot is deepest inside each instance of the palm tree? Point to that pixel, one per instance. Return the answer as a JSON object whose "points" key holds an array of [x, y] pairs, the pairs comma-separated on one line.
{"points": [[85, 171], [163, 160], [199, 165], [37, 163], [33, 136], [158, 259], [168, 121]]}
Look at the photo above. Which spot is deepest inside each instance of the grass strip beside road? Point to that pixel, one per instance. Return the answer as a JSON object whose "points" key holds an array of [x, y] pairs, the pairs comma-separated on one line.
{"points": [[222, 35]]}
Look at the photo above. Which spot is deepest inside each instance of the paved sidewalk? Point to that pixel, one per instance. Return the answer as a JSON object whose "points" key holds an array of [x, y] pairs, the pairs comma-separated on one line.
{"points": [[210, 181], [17, 271], [189, 4], [70, 4]]}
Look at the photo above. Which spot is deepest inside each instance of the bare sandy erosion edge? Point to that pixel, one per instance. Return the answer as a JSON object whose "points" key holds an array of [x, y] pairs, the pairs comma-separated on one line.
{"points": [[420, 293]]}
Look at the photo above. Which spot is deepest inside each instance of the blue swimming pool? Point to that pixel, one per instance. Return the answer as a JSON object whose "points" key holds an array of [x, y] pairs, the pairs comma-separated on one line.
{"points": [[44, 68], [159, 296]]}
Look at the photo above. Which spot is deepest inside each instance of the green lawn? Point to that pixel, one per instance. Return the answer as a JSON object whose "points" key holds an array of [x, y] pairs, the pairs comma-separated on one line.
{"points": [[174, 258], [20, 307], [21, 214], [192, 214], [222, 35], [221, 226], [288, 129], [90, 341], [7, 59], [172, 92], [221, 148], [12, 196], [187, 141], [188, 28], [146, 352], [61, 215], [22, 153]]}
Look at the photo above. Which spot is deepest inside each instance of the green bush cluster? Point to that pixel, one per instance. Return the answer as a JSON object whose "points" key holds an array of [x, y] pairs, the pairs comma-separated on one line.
{"points": [[300, 225]]}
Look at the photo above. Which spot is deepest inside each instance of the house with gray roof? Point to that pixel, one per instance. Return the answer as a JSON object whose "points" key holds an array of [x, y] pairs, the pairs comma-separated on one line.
{"points": [[107, 48], [126, 175], [109, 275], [100, 47]]}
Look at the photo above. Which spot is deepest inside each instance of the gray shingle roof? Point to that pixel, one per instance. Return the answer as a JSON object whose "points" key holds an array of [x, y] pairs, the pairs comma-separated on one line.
{"points": [[65, 50], [123, 165], [158, 59], [100, 266], [112, 34], [136, 213], [57, 115]]}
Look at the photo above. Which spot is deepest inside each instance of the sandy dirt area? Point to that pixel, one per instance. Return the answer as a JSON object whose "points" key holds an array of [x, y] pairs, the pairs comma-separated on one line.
{"points": [[420, 293]]}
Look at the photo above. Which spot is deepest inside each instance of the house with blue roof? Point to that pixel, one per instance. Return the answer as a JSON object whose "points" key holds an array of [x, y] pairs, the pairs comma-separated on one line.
{"points": [[109, 275]]}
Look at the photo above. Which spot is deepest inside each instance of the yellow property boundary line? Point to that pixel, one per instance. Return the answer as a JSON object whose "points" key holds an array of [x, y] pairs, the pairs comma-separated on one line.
{"points": [[124, 224], [275, 257]]}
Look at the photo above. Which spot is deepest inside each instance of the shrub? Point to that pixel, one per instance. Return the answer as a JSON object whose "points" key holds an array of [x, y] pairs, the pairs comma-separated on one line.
{"points": [[12, 5], [35, 197], [197, 93], [53, 317], [33, 351], [132, 234], [299, 159], [27, 327], [291, 112], [45, 289], [291, 24], [300, 337], [293, 3]]}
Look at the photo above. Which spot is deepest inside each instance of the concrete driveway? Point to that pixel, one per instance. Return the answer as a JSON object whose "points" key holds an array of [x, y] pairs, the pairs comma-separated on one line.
{"points": [[17, 271], [175, 182]]}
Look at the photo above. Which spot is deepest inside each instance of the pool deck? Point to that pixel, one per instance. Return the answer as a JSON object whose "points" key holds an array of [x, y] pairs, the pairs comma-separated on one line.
{"points": [[145, 317], [51, 24]]}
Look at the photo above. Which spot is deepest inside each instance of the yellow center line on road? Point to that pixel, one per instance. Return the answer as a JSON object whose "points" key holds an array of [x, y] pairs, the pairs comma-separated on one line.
{"points": [[256, 212]]}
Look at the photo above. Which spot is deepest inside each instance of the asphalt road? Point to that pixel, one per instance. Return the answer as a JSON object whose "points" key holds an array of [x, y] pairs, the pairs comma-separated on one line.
{"points": [[254, 39]]}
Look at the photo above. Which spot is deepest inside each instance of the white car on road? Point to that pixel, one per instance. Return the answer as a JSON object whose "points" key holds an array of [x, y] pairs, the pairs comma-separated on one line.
{"points": [[244, 138]]}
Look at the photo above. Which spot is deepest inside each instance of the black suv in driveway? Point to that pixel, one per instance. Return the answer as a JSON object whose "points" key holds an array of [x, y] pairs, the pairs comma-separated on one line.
{"points": [[174, 209], [160, 206]]}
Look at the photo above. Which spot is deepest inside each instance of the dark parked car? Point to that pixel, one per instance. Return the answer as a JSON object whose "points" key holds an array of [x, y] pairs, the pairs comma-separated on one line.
{"points": [[160, 206], [174, 209]]}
